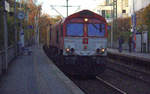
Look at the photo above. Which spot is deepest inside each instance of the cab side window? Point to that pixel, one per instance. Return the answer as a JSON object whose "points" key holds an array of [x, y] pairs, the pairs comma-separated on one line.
{"points": [[61, 27], [50, 34], [57, 34]]}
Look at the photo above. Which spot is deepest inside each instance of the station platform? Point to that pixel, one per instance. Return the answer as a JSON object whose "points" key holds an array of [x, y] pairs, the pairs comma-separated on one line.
{"points": [[134, 55], [36, 74]]}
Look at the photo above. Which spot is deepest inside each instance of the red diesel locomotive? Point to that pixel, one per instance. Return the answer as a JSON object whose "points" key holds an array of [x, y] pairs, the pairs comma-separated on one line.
{"points": [[79, 43]]}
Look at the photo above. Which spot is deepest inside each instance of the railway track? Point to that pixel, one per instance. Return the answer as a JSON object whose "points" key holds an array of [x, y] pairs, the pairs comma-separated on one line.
{"points": [[126, 83], [132, 67], [97, 86], [114, 81], [112, 86], [131, 71]]}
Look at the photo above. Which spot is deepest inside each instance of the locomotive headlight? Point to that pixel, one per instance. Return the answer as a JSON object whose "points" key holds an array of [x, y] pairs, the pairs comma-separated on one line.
{"points": [[85, 19], [102, 50], [67, 50]]}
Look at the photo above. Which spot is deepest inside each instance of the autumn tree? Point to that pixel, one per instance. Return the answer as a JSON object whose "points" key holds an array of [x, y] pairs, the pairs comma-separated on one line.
{"points": [[123, 28], [55, 19], [146, 16], [143, 21], [28, 7], [124, 24], [44, 23], [32, 11], [10, 23]]}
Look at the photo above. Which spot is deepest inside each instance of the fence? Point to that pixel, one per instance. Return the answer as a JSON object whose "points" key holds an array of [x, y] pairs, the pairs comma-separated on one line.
{"points": [[125, 46], [116, 45], [11, 56]]}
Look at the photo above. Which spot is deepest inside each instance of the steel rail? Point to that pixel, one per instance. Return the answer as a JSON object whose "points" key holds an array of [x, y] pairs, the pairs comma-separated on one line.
{"points": [[129, 67], [110, 85]]}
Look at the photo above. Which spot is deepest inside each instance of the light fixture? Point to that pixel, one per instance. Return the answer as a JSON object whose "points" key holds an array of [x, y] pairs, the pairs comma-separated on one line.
{"points": [[67, 50], [85, 19], [102, 50]]}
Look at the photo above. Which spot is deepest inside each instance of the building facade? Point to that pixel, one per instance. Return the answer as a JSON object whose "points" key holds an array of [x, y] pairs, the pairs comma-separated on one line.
{"points": [[106, 9], [124, 7], [137, 4]]}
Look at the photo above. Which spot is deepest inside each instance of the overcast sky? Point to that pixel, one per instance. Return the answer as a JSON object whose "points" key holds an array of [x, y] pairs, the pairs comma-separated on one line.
{"points": [[84, 4]]}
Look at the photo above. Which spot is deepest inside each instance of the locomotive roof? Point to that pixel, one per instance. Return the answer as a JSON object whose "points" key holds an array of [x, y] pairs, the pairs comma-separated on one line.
{"points": [[84, 13]]}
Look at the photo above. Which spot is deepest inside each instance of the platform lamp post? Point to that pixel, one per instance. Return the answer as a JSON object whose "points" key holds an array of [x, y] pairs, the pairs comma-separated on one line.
{"points": [[35, 29], [6, 9], [134, 24], [114, 23], [20, 16], [38, 32], [67, 7], [16, 41], [36, 18]]}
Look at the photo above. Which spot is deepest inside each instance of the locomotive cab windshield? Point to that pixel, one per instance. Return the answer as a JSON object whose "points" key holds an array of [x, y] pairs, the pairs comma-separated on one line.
{"points": [[77, 29], [74, 29], [96, 30]]}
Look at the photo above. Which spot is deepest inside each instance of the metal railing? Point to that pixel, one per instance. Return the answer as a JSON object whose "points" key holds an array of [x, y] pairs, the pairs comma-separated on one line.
{"points": [[125, 46], [116, 45], [11, 56]]}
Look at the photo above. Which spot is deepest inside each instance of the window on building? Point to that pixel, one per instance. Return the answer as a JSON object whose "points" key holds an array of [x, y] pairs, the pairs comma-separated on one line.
{"points": [[124, 11], [126, 3], [107, 2], [108, 14], [103, 13]]}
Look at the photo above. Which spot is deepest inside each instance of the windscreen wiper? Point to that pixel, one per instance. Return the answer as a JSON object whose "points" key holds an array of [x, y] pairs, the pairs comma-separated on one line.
{"points": [[100, 27], [95, 26]]}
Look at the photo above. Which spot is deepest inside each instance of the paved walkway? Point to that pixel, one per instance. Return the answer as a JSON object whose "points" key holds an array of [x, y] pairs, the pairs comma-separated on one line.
{"points": [[142, 56], [36, 74]]}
